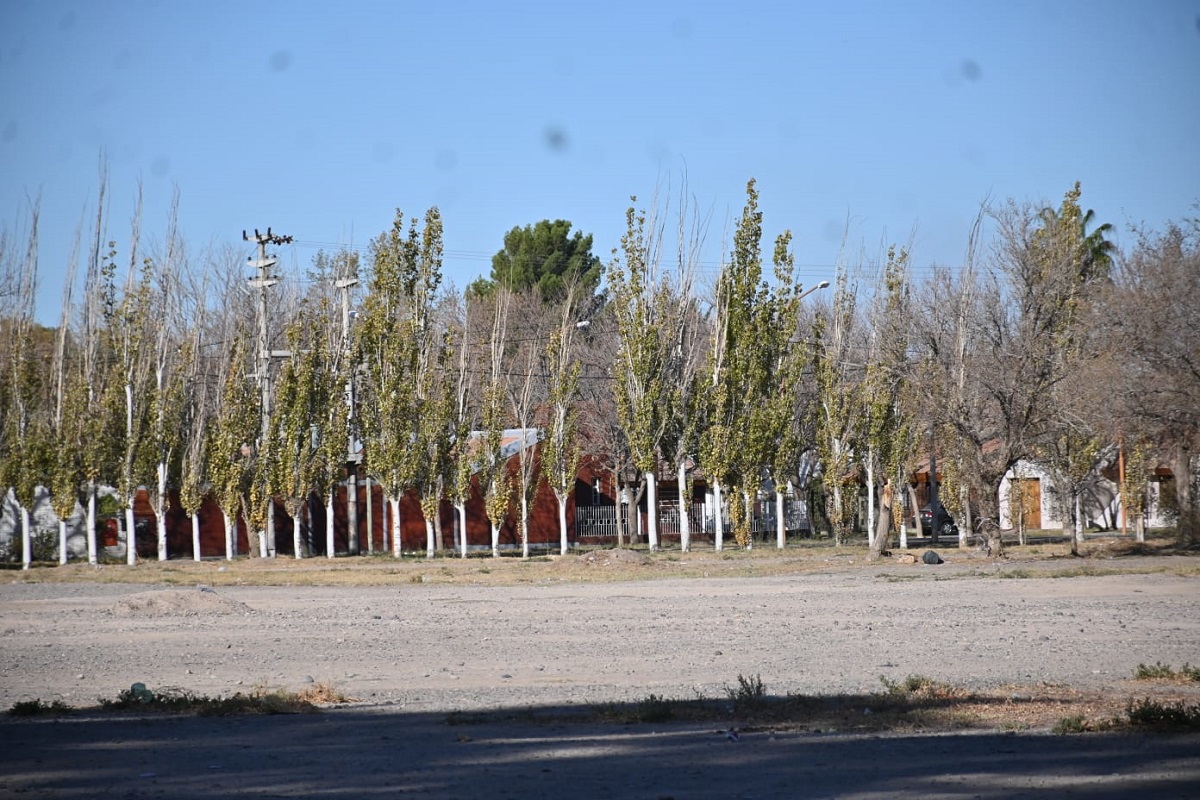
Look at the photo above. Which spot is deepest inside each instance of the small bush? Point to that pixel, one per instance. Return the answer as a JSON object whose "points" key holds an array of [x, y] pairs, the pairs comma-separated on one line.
{"points": [[260, 701], [913, 684], [37, 708], [1153, 671], [1153, 714], [1075, 724], [655, 709], [749, 692], [1161, 671]]}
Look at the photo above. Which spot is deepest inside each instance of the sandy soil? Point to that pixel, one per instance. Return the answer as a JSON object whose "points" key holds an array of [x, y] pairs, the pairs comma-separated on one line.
{"points": [[413, 652]]}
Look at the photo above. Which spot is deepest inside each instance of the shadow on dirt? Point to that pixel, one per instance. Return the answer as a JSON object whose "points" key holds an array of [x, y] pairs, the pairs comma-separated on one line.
{"points": [[547, 752]]}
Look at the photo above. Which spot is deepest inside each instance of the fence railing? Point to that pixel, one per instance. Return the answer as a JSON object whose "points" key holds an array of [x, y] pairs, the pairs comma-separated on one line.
{"points": [[601, 521]]}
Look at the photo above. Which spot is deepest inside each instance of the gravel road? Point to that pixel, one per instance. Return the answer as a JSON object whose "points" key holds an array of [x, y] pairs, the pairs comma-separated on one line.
{"points": [[413, 652]]}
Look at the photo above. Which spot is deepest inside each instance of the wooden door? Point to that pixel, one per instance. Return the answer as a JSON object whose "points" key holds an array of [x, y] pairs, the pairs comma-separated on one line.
{"points": [[1027, 492]]}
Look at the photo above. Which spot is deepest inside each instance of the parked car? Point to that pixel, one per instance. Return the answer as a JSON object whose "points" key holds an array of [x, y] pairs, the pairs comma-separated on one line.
{"points": [[946, 525]]}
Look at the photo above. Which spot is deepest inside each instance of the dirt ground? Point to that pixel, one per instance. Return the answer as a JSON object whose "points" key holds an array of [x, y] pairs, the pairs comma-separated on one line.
{"points": [[416, 651]]}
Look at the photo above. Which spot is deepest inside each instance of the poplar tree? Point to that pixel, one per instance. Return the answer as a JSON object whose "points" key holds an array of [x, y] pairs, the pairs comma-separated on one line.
{"points": [[560, 449], [639, 374]]}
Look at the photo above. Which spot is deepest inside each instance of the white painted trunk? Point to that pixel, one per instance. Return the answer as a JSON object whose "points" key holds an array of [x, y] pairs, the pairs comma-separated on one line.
{"points": [[495, 540], [62, 541], [160, 512], [563, 545], [370, 520], [718, 525], [92, 548], [780, 522], [965, 528], [297, 538], [196, 536], [430, 549], [397, 543], [269, 533], [748, 506], [26, 540], [870, 496], [130, 535], [524, 526], [685, 509], [652, 509], [461, 508], [329, 544], [230, 536]]}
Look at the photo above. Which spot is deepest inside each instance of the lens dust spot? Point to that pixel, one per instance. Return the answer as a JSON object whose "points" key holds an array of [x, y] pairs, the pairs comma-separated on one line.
{"points": [[971, 70], [382, 152], [281, 60], [66, 21], [445, 159], [160, 166], [10, 131], [556, 139]]}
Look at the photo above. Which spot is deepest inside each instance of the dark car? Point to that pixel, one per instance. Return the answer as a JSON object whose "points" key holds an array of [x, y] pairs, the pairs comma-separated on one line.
{"points": [[945, 523]]}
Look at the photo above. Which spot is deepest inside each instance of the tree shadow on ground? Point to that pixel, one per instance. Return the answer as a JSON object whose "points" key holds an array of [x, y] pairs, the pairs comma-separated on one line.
{"points": [[551, 752]]}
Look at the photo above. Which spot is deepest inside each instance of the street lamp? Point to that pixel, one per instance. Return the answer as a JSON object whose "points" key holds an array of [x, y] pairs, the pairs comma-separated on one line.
{"points": [[821, 285]]}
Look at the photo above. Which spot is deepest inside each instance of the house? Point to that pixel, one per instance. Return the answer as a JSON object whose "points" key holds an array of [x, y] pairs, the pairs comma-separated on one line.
{"points": [[1030, 499]]}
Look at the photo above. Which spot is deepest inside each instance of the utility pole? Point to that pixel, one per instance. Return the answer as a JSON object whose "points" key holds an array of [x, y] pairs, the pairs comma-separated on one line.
{"points": [[264, 281], [353, 458]]}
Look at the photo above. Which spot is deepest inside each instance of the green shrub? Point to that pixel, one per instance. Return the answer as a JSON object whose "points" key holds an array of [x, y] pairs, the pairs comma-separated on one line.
{"points": [[1153, 714]]}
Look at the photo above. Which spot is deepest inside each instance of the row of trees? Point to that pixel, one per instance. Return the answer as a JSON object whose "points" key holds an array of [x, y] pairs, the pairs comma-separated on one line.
{"points": [[170, 371]]}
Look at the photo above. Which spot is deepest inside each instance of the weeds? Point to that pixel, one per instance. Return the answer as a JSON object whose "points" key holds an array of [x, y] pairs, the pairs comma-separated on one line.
{"points": [[1161, 671], [258, 701], [37, 708], [1152, 714], [749, 693]]}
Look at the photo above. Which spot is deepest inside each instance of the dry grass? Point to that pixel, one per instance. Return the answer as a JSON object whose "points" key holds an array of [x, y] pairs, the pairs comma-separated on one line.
{"points": [[925, 706], [1040, 558]]}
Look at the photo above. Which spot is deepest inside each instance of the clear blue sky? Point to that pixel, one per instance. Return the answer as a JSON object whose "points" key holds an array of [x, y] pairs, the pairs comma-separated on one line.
{"points": [[320, 119]]}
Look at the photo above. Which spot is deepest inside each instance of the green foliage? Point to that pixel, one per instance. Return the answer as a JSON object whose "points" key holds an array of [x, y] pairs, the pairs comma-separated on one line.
{"points": [[638, 305], [1161, 671], [749, 693], [545, 257], [913, 684], [173, 701], [39, 708], [1154, 714]]}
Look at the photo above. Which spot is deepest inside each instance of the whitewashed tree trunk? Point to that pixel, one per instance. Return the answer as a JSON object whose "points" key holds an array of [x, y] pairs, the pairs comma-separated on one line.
{"points": [[870, 496], [1079, 521], [297, 537], [397, 542], [269, 533], [230, 536], [62, 541], [130, 535], [329, 543], [26, 540], [563, 545], [965, 528], [93, 555], [685, 509], [160, 511], [196, 536], [718, 525], [370, 520], [430, 547], [524, 526], [780, 522], [748, 505], [461, 510], [652, 509], [495, 540]]}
